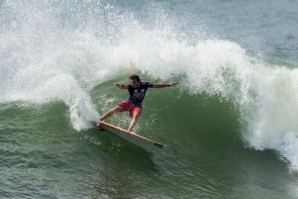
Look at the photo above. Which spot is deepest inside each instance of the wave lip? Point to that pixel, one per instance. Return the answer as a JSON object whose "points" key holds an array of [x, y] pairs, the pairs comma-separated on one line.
{"points": [[52, 57]]}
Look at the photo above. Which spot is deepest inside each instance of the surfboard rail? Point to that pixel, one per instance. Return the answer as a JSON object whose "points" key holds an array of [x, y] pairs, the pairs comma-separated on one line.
{"points": [[131, 137]]}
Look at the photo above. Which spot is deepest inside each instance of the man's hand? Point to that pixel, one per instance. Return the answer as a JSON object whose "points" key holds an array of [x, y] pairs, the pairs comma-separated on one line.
{"points": [[174, 83]]}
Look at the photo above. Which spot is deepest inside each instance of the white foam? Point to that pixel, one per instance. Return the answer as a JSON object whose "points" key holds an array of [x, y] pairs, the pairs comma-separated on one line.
{"points": [[42, 61]]}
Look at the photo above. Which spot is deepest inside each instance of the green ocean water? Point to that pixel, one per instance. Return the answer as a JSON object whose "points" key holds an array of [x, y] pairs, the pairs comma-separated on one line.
{"points": [[44, 157], [230, 124]]}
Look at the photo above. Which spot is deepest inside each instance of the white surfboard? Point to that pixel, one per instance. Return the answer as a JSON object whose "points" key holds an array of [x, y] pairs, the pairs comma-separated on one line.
{"points": [[131, 137]]}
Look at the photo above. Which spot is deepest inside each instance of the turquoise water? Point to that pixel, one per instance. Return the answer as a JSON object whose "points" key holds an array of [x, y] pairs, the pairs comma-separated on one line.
{"points": [[230, 125]]}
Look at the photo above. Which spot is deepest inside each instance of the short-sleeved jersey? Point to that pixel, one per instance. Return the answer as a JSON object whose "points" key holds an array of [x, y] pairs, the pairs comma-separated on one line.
{"points": [[137, 95]]}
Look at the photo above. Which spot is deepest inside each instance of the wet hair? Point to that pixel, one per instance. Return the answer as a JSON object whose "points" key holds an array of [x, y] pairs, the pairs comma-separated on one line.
{"points": [[134, 76]]}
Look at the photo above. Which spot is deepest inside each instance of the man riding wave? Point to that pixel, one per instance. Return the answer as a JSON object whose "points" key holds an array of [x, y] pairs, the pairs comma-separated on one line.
{"points": [[137, 91]]}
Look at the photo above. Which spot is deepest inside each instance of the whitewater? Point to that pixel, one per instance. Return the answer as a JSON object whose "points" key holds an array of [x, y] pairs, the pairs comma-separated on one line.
{"points": [[45, 65], [62, 52]]}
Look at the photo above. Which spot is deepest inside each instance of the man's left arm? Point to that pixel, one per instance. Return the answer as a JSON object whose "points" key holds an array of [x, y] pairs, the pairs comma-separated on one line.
{"points": [[162, 85]]}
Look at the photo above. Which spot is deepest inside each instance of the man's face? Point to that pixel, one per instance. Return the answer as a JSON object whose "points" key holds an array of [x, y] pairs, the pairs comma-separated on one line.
{"points": [[134, 83]]}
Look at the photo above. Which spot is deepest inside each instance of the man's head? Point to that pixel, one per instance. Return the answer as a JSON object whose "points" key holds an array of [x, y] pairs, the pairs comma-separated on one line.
{"points": [[134, 80]]}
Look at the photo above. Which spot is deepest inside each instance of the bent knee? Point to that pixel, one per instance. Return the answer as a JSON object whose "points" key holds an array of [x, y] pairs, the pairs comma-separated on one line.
{"points": [[136, 114], [117, 108]]}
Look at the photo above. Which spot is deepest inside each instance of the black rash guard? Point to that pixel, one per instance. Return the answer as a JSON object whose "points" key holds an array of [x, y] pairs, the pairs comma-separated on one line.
{"points": [[137, 95]]}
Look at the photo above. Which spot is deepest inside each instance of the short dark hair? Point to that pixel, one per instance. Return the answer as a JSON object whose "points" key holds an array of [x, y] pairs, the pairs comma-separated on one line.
{"points": [[134, 76]]}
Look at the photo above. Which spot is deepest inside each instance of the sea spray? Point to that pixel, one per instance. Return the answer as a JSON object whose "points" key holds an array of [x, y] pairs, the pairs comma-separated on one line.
{"points": [[49, 53]]}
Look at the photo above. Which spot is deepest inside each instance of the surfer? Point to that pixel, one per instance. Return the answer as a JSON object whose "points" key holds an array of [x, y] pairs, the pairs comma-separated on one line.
{"points": [[137, 90]]}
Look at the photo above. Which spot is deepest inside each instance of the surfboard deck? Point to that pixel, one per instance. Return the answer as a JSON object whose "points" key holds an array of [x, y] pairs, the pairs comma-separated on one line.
{"points": [[131, 137]]}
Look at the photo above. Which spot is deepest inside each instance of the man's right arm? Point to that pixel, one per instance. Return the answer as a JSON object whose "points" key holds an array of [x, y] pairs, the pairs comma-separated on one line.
{"points": [[122, 86]]}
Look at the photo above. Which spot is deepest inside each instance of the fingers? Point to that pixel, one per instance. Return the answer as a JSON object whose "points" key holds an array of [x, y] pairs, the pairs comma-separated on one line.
{"points": [[118, 85], [174, 83]]}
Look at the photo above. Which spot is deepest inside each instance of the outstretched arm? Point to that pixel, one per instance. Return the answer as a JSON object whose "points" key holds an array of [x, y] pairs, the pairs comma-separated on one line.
{"points": [[162, 85], [122, 86]]}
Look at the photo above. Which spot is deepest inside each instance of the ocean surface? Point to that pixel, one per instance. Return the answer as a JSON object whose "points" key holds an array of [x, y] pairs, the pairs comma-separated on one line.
{"points": [[230, 125]]}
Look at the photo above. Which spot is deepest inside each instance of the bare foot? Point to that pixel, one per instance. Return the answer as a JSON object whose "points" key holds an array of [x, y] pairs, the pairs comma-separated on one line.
{"points": [[96, 123]]}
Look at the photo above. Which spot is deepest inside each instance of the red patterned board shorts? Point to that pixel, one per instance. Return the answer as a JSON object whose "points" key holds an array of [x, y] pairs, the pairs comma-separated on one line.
{"points": [[128, 106]]}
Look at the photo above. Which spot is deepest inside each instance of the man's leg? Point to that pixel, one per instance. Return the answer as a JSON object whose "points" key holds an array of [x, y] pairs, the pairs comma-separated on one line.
{"points": [[133, 120], [111, 112]]}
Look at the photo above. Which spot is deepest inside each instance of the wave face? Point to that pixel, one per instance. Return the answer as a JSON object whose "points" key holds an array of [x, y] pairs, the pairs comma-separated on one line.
{"points": [[73, 52]]}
